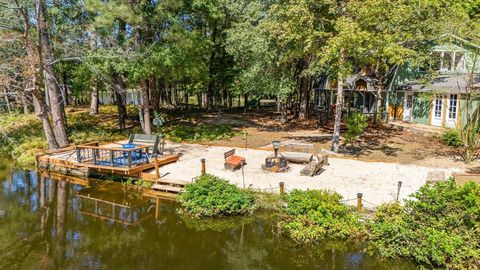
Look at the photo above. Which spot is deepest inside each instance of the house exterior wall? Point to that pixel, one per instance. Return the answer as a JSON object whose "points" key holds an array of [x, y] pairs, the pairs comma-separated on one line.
{"points": [[463, 111], [422, 106]]}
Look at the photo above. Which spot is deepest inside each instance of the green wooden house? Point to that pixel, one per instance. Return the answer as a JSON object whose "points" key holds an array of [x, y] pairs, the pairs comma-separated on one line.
{"points": [[438, 97], [433, 95]]}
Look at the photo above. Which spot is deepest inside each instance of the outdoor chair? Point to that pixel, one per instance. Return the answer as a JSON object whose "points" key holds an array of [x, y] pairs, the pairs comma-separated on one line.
{"points": [[232, 161], [155, 140]]}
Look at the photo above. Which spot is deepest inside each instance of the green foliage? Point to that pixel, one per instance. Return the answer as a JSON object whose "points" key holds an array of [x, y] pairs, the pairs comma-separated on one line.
{"points": [[22, 135], [452, 137], [22, 138], [356, 124], [314, 215], [202, 132], [439, 228], [216, 224], [210, 196]]}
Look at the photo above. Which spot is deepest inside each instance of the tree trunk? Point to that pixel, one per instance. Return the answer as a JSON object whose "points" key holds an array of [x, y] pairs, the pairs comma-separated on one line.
{"points": [[338, 106], [94, 101], [155, 104], [304, 90], [25, 101], [39, 103], [119, 92], [378, 110], [245, 103], [204, 100], [185, 97], [42, 112], [304, 97], [146, 107], [7, 101], [51, 83]]}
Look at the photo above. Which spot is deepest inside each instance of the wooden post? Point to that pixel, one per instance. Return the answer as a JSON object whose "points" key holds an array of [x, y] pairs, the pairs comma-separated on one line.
{"points": [[243, 173], [398, 189], [79, 157], [157, 172], [204, 170], [112, 158], [282, 188], [359, 201], [129, 159], [94, 156]]}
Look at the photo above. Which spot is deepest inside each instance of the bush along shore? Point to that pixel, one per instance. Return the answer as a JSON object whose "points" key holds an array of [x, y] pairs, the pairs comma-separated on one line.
{"points": [[438, 228]]}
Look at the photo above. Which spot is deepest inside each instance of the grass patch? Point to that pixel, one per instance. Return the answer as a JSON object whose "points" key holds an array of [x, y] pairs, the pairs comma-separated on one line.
{"points": [[22, 135], [201, 132], [210, 196]]}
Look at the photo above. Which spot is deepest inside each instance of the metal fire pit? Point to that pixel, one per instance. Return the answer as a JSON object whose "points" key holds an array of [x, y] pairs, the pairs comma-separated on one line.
{"points": [[276, 163]]}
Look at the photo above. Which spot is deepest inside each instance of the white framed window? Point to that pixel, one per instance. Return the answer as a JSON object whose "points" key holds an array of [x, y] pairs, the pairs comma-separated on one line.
{"points": [[438, 108], [452, 106]]}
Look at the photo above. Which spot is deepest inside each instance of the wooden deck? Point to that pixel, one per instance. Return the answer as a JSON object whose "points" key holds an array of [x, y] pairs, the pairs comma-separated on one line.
{"points": [[65, 162], [62, 164]]}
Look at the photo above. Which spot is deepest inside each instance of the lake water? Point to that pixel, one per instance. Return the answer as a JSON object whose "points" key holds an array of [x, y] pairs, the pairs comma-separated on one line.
{"points": [[55, 224]]}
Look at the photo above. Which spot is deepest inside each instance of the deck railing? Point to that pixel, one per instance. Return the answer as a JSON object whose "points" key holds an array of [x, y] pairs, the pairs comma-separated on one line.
{"points": [[111, 156]]}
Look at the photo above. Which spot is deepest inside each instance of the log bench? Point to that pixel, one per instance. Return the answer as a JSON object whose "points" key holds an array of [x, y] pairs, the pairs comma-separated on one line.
{"points": [[297, 157]]}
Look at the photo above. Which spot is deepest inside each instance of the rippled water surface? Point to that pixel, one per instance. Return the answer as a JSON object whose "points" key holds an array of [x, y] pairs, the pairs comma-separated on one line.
{"points": [[53, 222]]}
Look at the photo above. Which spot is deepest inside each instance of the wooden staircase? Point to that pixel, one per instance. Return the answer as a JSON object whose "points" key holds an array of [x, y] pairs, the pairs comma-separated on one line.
{"points": [[169, 185]]}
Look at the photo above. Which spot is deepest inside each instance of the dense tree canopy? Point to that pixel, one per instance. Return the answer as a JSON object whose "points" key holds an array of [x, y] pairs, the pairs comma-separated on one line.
{"points": [[214, 50]]}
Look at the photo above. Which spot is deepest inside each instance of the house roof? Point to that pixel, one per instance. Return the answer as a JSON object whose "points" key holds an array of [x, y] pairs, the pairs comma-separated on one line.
{"points": [[442, 83]]}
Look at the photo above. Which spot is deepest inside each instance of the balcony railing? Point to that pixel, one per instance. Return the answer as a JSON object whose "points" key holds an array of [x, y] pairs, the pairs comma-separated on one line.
{"points": [[113, 156]]}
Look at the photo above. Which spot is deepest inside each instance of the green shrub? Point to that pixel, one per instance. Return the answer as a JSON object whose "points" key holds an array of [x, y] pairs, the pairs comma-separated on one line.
{"points": [[313, 215], [439, 228], [356, 124], [210, 196], [452, 137]]}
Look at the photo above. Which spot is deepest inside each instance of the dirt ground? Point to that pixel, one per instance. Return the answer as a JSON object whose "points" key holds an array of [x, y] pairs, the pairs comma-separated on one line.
{"points": [[394, 143]]}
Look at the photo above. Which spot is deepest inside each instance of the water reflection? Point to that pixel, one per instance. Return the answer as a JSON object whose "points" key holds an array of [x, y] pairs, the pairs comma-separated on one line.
{"points": [[72, 223]]}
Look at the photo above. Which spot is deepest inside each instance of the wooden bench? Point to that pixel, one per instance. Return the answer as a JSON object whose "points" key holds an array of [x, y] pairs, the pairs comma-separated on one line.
{"points": [[232, 161], [148, 140]]}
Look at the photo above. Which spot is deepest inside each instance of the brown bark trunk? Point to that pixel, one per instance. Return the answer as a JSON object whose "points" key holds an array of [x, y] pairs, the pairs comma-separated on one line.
{"points": [[204, 100], [94, 100], [42, 113], [304, 92], [146, 107], [39, 103], [119, 92], [25, 102], [51, 83], [155, 102], [245, 103], [338, 106], [7, 101], [185, 98], [378, 110]]}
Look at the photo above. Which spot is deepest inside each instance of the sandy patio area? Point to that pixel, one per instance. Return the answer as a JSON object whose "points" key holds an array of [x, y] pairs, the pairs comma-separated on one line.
{"points": [[377, 181]]}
